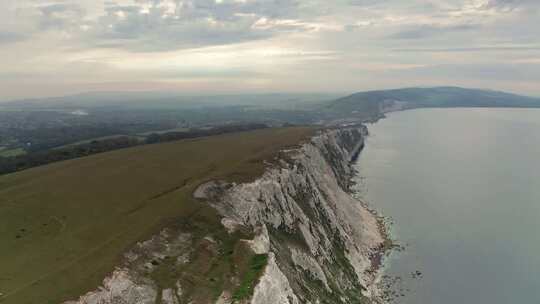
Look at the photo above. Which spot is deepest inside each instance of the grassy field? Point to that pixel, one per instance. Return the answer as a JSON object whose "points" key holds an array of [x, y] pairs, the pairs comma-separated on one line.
{"points": [[87, 141], [64, 226], [164, 131], [11, 152]]}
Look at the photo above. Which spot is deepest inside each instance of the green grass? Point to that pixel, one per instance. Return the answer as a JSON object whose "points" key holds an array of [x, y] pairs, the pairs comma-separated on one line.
{"points": [[163, 131], [254, 271], [12, 152], [64, 226]]}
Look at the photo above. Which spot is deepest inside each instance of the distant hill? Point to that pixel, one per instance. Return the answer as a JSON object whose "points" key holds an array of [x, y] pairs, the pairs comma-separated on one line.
{"points": [[442, 97]]}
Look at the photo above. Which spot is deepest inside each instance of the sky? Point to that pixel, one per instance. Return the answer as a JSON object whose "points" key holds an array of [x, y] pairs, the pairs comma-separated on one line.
{"points": [[60, 47]]}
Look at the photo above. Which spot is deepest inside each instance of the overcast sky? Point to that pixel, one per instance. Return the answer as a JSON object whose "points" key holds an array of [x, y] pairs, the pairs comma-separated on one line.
{"points": [[54, 47]]}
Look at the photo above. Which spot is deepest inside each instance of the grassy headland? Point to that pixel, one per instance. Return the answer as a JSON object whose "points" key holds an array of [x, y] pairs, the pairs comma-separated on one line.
{"points": [[64, 226]]}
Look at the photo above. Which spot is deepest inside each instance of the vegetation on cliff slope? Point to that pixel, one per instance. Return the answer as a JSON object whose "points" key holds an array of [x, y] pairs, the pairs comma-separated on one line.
{"points": [[252, 272]]}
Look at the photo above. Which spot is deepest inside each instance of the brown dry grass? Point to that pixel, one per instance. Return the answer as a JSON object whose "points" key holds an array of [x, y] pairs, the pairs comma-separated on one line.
{"points": [[64, 226]]}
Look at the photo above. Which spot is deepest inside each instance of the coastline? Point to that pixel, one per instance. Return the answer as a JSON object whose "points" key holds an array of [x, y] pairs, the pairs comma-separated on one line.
{"points": [[311, 196], [321, 241], [383, 291], [380, 293], [436, 191], [377, 291]]}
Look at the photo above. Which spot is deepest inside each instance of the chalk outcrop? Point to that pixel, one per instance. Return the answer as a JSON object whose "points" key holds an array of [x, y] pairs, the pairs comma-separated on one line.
{"points": [[121, 287], [323, 245], [324, 241]]}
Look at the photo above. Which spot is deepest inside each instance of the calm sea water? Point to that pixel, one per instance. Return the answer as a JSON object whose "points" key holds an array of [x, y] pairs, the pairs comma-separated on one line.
{"points": [[463, 189]]}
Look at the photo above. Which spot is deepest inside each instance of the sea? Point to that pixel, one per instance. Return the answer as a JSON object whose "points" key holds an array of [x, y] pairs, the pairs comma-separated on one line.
{"points": [[461, 191]]}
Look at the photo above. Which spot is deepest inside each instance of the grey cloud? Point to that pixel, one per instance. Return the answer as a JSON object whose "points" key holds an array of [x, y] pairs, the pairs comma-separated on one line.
{"points": [[470, 49], [509, 4], [426, 31], [381, 36], [59, 16], [191, 24], [500, 72], [204, 73], [10, 37], [54, 8], [163, 25], [363, 2]]}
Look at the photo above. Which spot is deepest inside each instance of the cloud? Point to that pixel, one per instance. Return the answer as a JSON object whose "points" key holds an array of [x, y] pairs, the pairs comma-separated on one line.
{"points": [[161, 25], [168, 25], [10, 37], [60, 16], [508, 4], [363, 3], [271, 44], [501, 72], [426, 31], [487, 8], [523, 48]]}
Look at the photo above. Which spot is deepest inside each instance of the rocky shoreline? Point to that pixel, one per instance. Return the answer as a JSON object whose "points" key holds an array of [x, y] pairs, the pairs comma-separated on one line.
{"points": [[380, 286], [378, 289]]}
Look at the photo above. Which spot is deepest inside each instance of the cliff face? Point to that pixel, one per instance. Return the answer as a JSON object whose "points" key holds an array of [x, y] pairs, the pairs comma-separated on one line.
{"points": [[320, 244]]}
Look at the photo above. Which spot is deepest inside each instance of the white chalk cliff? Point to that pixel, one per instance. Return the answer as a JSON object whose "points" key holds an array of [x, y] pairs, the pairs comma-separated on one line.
{"points": [[323, 245]]}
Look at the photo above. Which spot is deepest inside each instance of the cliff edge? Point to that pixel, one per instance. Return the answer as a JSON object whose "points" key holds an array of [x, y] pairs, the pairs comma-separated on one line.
{"points": [[308, 240]]}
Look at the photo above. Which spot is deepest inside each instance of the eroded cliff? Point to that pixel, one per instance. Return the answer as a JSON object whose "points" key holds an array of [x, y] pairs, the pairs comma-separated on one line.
{"points": [[305, 239]]}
